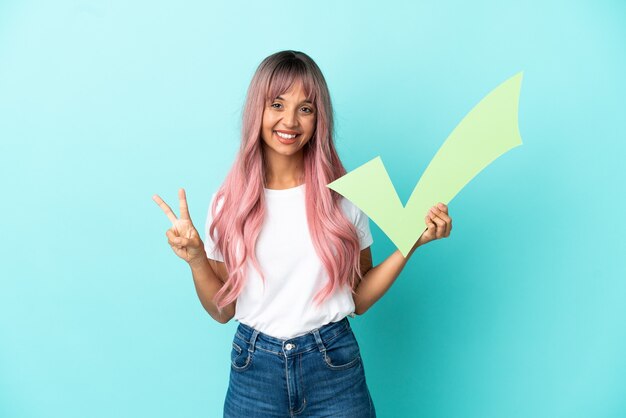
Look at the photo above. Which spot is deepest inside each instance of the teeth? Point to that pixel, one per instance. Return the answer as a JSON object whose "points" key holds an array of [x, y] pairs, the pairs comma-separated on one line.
{"points": [[285, 136]]}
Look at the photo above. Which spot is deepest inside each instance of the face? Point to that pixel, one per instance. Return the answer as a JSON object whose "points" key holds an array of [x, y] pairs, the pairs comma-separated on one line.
{"points": [[288, 123]]}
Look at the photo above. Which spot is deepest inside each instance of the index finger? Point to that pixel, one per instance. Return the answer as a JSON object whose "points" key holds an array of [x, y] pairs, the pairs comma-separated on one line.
{"points": [[184, 209], [165, 207]]}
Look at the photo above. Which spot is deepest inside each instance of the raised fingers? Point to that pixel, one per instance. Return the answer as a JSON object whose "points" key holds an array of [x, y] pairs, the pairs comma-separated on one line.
{"points": [[165, 207], [184, 209]]}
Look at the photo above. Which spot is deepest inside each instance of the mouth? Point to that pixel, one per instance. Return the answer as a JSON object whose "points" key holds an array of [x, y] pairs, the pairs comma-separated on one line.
{"points": [[285, 138]]}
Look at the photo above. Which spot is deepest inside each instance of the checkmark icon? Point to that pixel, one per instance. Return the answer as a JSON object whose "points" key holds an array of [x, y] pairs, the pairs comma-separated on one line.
{"points": [[488, 131]]}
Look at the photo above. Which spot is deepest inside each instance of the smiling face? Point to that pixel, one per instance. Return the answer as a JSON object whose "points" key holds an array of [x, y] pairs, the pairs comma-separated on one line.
{"points": [[288, 123]]}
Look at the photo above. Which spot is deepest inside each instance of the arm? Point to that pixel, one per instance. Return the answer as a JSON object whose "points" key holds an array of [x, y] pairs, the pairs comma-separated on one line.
{"points": [[208, 275], [208, 280], [376, 281]]}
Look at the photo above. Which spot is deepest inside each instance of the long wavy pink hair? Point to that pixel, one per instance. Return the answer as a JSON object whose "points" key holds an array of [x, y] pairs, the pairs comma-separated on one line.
{"points": [[238, 222]]}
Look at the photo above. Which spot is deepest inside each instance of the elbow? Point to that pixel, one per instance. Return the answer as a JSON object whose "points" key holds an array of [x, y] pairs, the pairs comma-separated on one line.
{"points": [[359, 310], [222, 317]]}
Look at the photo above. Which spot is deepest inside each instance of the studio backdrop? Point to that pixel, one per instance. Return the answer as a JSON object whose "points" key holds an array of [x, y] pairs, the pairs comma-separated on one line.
{"points": [[520, 313]]}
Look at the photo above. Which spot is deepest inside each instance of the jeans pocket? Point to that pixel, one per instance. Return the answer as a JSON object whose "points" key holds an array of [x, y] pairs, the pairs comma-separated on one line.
{"points": [[240, 357], [342, 352]]}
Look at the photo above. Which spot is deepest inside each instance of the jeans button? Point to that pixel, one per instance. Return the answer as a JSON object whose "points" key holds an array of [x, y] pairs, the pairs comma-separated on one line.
{"points": [[289, 346]]}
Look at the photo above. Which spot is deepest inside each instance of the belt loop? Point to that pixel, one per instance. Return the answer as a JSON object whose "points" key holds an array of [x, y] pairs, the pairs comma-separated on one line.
{"points": [[318, 340], [255, 333]]}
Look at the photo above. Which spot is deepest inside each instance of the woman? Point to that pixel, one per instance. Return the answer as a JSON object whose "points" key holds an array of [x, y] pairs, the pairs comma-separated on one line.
{"points": [[287, 257]]}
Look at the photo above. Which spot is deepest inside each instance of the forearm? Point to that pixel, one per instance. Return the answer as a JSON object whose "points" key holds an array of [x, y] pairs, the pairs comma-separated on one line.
{"points": [[207, 285], [379, 279]]}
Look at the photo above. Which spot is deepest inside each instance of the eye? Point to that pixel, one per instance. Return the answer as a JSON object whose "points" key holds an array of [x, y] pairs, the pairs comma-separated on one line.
{"points": [[273, 105], [308, 110]]}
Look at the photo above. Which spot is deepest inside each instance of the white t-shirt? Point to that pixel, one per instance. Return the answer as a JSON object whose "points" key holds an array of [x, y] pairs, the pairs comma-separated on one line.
{"points": [[293, 271]]}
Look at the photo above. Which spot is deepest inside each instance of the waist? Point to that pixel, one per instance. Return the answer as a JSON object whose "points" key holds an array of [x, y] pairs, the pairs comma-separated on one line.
{"points": [[295, 345]]}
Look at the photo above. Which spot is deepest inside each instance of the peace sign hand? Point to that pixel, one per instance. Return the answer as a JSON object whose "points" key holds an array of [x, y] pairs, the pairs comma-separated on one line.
{"points": [[182, 236]]}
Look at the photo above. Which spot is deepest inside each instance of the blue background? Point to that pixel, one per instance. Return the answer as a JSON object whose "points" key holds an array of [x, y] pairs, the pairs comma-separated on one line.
{"points": [[519, 313]]}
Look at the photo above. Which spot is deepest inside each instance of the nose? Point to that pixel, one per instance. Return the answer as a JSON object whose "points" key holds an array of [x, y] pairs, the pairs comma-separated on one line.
{"points": [[290, 119]]}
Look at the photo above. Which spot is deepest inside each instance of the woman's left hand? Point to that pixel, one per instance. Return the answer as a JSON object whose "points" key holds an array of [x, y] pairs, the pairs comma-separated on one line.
{"points": [[438, 224]]}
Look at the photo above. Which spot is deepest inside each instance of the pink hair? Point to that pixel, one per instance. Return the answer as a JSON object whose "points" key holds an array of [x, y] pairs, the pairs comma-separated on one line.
{"points": [[241, 216]]}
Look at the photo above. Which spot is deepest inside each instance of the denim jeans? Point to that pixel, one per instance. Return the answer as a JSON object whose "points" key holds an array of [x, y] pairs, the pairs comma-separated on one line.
{"points": [[319, 374]]}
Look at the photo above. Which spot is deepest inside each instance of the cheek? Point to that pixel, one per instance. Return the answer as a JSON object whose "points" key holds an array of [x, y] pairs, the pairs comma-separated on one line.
{"points": [[312, 126], [266, 133], [267, 121]]}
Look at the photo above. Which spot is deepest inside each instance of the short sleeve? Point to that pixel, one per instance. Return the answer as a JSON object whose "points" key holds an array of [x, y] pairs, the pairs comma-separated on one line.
{"points": [[360, 221], [210, 247]]}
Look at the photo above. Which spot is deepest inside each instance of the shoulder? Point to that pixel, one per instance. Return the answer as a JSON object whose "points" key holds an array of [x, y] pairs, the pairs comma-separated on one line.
{"points": [[360, 220], [351, 210], [211, 214], [220, 202]]}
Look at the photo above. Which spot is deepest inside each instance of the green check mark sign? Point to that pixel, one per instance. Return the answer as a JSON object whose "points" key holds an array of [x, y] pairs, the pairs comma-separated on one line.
{"points": [[489, 130]]}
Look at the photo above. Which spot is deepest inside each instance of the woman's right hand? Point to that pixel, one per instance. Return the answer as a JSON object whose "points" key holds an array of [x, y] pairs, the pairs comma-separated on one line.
{"points": [[182, 236]]}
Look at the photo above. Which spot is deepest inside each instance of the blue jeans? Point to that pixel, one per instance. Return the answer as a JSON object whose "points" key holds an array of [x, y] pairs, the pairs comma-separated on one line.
{"points": [[319, 374]]}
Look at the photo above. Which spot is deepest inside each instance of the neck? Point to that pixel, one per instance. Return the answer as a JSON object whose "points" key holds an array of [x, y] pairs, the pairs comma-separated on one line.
{"points": [[284, 172]]}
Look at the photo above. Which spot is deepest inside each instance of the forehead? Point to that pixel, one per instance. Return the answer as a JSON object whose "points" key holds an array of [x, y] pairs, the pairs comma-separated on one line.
{"points": [[290, 84], [296, 92]]}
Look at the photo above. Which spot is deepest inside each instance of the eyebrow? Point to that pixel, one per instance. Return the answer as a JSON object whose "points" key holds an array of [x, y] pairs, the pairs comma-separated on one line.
{"points": [[305, 101]]}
